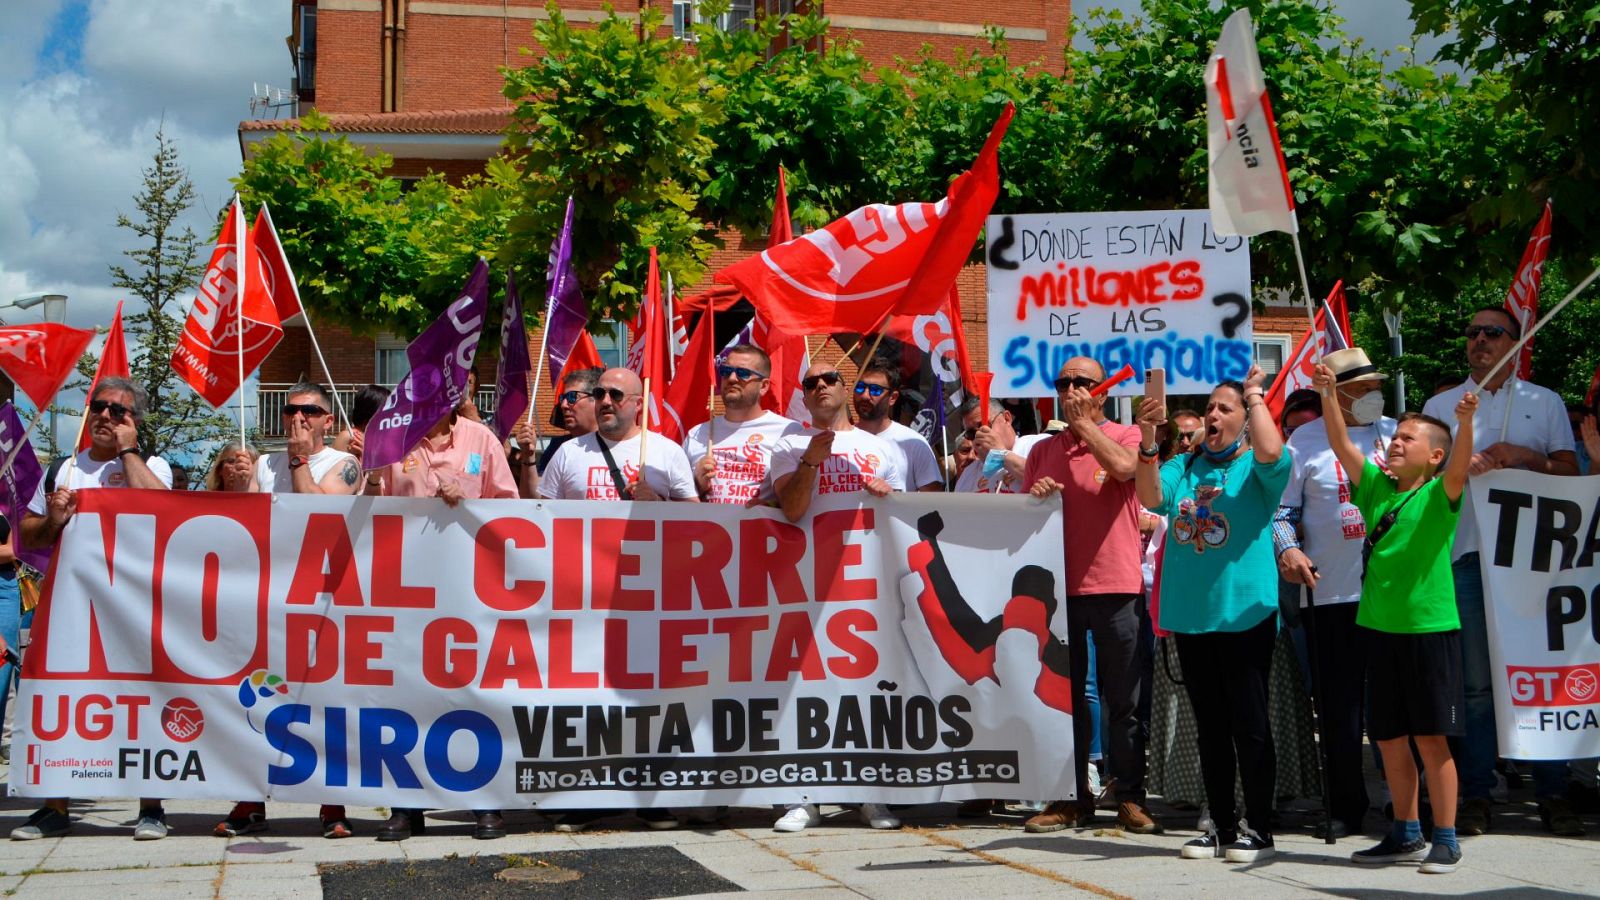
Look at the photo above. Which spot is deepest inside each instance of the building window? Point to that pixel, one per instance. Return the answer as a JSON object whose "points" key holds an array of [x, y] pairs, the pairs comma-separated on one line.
{"points": [[1271, 351], [739, 15], [390, 364], [612, 342], [305, 53]]}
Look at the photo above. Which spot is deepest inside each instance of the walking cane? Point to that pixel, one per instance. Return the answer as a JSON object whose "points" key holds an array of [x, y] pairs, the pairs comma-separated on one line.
{"points": [[1317, 705]]}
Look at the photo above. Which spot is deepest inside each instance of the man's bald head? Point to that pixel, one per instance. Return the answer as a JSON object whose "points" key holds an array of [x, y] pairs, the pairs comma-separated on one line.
{"points": [[1082, 367], [625, 379]]}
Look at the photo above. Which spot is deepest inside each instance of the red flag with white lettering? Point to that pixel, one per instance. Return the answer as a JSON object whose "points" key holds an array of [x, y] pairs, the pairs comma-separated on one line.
{"points": [[790, 354], [229, 318], [272, 273], [113, 364], [877, 261], [1522, 300], [40, 358]]}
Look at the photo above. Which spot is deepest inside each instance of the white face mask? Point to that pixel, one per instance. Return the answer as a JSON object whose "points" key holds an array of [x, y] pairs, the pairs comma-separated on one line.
{"points": [[1367, 408]]}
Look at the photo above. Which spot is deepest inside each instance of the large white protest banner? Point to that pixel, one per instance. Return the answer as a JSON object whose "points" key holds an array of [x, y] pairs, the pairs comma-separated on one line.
{"points": [[1147, 289], [507, 653], [1540, 537]]}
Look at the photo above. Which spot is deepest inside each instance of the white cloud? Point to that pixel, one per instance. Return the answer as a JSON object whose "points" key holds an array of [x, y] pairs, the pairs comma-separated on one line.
{"points": [[84, 90]]}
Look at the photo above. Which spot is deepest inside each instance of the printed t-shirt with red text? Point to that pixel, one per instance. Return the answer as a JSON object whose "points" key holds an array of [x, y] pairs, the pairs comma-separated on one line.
{"points": [[857, 458], [743, 453], [578, 471], [1102, 543]]}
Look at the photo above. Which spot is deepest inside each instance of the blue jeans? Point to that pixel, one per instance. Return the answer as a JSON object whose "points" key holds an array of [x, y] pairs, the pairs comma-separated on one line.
{"points": [[10, 628], [1475, 754], [1091, 696]]}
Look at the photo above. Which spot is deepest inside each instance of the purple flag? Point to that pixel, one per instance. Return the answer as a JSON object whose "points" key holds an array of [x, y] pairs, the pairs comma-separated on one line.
{"points": [[566, 313], [511, 377], [18, 485], [440, 358]]}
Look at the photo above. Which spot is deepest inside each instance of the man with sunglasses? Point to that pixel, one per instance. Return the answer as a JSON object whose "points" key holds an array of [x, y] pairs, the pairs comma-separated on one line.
{"points": [[1536, 437], [112, 460], [833, 456], [876, 393], [742, 440], [573, 412], [999, 436], [307, 465], [1091, 465], [605, 464]]}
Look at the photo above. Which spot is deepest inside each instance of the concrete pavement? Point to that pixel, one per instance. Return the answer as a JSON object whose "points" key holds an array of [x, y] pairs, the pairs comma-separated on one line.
{"points": [[934, 857]]}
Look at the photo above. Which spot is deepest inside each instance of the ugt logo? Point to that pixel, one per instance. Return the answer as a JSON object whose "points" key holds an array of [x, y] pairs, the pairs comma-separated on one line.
{"points": [[849, 246]]}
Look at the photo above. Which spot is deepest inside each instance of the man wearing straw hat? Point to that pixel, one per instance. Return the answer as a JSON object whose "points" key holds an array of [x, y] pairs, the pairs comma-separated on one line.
{"points": [[1318, 534], [1520, 426]]}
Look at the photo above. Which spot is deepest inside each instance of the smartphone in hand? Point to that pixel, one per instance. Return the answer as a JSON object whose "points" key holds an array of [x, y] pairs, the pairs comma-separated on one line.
{"points": [[1155, 384]]}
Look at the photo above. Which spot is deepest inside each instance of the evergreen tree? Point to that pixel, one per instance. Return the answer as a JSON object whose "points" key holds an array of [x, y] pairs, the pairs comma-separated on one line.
{"points": [[164, 269]]}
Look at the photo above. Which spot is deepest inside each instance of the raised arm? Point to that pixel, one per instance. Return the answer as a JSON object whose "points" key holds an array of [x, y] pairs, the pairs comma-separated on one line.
{"points": [[1344, 449], [1455, 470], [796, 488], [1266, 441], [1147, 476]]}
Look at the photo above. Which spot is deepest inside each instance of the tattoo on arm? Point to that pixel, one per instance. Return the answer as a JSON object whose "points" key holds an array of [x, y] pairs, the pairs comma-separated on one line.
{"points": [[351, 473]]}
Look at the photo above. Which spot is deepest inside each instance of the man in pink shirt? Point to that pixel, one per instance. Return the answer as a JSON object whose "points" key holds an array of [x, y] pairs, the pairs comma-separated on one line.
{"points": [[1091, 464], [460, 459]]}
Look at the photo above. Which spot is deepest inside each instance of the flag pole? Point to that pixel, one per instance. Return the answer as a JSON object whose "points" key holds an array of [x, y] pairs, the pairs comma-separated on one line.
{"points": [[1305, 283], [672, 332], [1516, 349], [711, 398], [645, 434], [541, 364], [245, 257], [311, 333]]}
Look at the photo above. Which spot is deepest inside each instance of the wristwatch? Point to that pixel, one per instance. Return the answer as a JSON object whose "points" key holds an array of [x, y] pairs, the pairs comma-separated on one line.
{"points": [[297, 460], [127, 450], [1150, 451]]}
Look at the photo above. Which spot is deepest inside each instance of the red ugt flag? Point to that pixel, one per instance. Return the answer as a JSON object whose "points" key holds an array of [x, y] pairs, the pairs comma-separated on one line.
{"points": [[1522, 300], [1317, 343], [877, 261], [648, 354], [208, 354], [40, 358], [272, 273], [113, 364]]}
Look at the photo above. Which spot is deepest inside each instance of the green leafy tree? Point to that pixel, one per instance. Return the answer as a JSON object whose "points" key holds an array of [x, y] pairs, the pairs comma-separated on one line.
{"points": [[162, 270]]}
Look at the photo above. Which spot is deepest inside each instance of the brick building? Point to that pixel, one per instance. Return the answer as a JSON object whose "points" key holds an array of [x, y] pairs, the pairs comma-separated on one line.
{"points": [[419, 80]]}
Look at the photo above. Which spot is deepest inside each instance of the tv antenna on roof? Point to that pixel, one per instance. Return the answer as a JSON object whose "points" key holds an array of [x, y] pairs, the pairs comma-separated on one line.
{"points": [[264, 97]]}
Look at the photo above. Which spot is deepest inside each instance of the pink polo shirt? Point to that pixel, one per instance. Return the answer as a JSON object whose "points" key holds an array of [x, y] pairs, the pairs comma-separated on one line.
{"points": [[1100, 514], [470, 455]]}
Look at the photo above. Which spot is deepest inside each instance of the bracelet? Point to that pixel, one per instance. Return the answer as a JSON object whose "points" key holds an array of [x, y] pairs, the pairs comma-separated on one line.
{"points": [[809, 465], [127, 450], [1150, 459], [1150, 452]]}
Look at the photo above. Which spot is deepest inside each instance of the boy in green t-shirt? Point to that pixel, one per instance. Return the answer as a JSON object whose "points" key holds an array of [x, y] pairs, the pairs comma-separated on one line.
{"points": [[1408, 619]]}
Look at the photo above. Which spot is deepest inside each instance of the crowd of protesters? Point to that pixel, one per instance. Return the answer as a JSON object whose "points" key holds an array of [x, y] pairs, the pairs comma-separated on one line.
{"points": [[1238, 566]]}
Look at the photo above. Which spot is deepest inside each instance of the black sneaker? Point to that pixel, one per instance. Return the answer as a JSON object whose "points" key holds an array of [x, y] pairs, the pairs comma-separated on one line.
{"points": [[1251, 846], [44, 823], [1207, 846], [1390, 850], [1442, 860]]}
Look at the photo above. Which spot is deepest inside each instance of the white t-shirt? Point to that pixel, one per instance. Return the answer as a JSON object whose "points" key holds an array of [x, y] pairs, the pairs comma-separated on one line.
{"points": [[272, 470], [1331, 528], [1538, 422], [913, 456], [578, 471], [972, 474], [857, 457], [81, 472], [743, 453]]}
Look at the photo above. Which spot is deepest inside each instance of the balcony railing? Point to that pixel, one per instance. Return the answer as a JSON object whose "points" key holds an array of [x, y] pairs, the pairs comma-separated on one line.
{"points": [[269, 409]]}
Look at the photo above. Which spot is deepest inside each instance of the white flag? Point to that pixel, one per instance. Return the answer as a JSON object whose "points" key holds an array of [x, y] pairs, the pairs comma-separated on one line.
{"points": [[1249, 181]]}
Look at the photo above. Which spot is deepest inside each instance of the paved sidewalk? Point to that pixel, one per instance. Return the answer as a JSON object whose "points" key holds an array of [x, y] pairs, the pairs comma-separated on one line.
{"points": [[934, 857]]}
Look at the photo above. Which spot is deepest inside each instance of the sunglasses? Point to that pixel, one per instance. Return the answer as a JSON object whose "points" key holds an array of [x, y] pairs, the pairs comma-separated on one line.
{"points": [[617, 395], [828, 378], [571, 398], [725, 371], [1492, 332], [873, 390], [118, 411], [1077, 381], [309, 410]]}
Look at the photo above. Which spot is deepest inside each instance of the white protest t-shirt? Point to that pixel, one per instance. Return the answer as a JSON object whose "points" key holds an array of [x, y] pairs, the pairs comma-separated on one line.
{"points": [[578, 471], [972, 474], [913, 455], [743, 453], [81, 472], [857, 457], [272, 470], [1331, 528], [1538, 421]]}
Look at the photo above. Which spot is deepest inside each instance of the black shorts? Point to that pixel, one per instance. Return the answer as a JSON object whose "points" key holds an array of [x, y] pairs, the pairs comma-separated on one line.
{"points": [[1414, 684]]}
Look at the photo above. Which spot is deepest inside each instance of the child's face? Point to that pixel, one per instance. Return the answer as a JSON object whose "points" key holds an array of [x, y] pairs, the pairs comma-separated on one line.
{"points": [[1412, 453]]}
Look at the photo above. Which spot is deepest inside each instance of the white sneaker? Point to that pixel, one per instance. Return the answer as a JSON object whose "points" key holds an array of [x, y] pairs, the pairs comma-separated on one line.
{"points": [[151, 827], [1095, 787], [798, 818], [878, 816]]}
